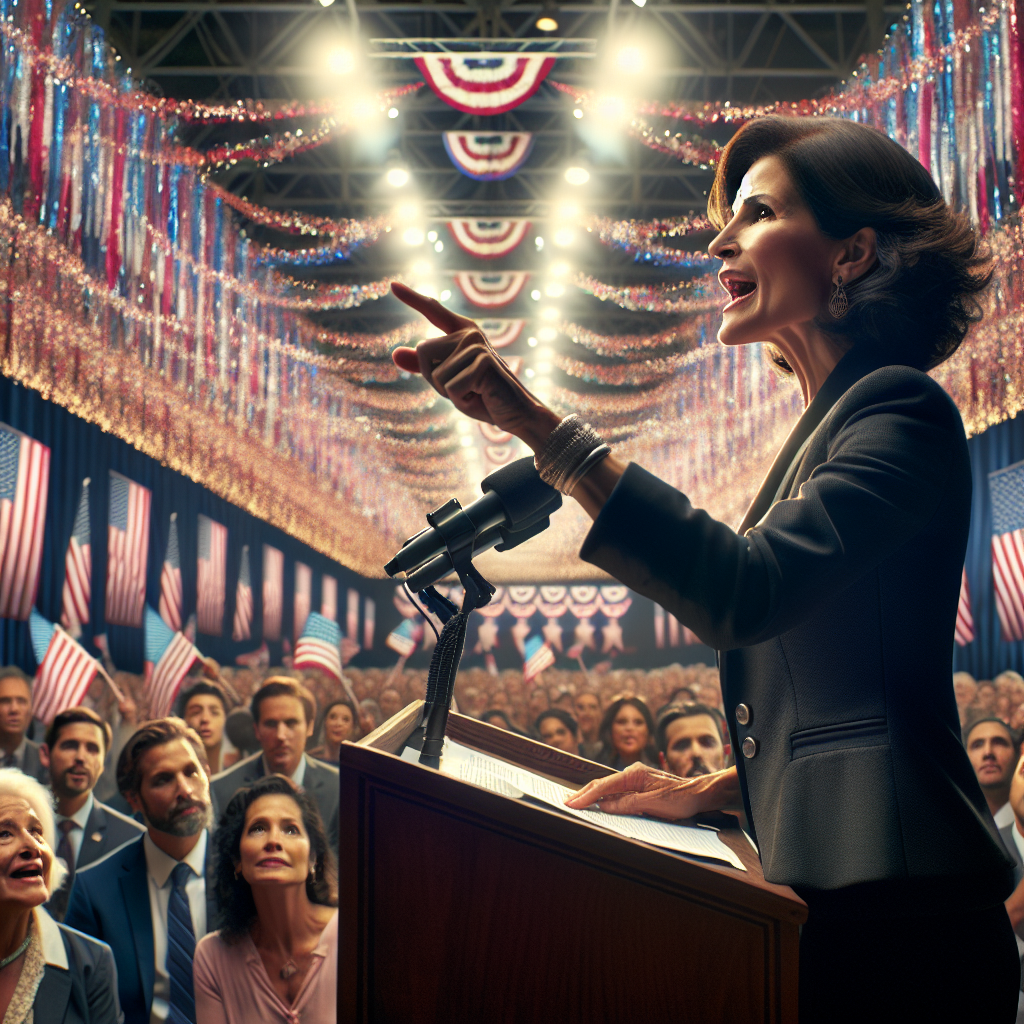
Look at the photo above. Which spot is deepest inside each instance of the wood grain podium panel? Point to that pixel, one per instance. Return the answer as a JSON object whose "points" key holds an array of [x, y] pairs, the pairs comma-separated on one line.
{"points": [[459, 905]]}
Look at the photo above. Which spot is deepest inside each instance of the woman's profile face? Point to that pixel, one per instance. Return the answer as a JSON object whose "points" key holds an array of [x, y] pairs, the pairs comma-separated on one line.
{"points": [[25, 858], [339, 723], [776, 260], [629, 731], [275, 847]]}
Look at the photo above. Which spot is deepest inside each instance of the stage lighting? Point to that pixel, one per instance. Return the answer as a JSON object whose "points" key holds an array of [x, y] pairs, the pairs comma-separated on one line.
{"points": [[439, 246], [554, 290], [529, 372], [431, 236], [393, 112], [397, 177], [577, 112], [539, 242], [549, 314], [465, 440], [639, 3], [341, 62], [577, 175], [630, 59], [559, 269], [326, 3], [547, 24], [547, 334], [445, 295], [612, 108], [413, 236], [421, 268], [532, 342], [535, 295], [563, 237]]}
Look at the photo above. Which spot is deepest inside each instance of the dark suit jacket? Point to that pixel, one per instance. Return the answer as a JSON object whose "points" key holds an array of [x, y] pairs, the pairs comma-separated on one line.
{"points": [[833, 614], [110, 901], [105, 830], [320, 781], [1006, 834], [33, 765], [80, 986]]}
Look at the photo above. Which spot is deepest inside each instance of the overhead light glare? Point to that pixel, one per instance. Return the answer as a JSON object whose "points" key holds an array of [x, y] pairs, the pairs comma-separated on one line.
{"points": [[577, 112], [323, 3], [397, 177], [412, 236], [630, 58], [547, 334], [341, 62], [577, 175], [393, 112], [563, 237], [547, 24], [554, 290]]}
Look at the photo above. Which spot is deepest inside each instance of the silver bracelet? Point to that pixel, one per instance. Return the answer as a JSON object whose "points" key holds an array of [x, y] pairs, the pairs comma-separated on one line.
{"points": [[570, 446]]}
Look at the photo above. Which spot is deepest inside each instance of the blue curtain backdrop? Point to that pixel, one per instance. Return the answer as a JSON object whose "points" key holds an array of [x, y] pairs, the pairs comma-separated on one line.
{"points": [[988, 655]]}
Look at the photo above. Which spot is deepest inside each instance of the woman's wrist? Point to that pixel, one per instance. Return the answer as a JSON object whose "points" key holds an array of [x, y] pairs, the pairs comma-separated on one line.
{"points": [[722, 790], [537, 427]]}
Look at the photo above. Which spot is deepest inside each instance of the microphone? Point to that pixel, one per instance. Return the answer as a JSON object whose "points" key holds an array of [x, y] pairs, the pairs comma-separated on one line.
{"points": [[515, 506]]}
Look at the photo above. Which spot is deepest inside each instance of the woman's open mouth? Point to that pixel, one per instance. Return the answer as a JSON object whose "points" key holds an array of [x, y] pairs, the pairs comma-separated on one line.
{"points": [[30, 871], [739, 290]]}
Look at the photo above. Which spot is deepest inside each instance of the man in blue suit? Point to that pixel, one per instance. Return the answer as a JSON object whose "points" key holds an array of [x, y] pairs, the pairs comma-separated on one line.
{"points": [[150, 896]]}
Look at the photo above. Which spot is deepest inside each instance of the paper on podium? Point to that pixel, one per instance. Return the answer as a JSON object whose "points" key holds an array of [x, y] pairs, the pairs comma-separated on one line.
{"points": [[512, 781]]}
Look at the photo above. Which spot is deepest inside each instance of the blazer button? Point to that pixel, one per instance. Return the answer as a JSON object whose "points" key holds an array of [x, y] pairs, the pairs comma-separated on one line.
{"points": [[743, 714], [749, 747]]}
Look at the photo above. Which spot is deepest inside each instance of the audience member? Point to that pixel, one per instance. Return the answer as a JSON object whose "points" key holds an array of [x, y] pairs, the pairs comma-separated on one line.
{"points": [[691, 740], [985, 697], [16, 749], [275, 958], [205, 708], [370, 712], [557, 728], [241, 731], [338, 724], [151, 895], [283, 712], [498, 718], [964, 689], [48, 973], [76, 744], [588, 715], [537, 702], [627, 734], [992, 748], [565, 701], [390, 702]]}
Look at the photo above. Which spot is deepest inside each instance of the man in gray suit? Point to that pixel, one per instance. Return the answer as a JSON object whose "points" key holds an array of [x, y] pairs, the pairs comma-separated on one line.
{"points": [[16, 749], [283, 712], [76, 745]]}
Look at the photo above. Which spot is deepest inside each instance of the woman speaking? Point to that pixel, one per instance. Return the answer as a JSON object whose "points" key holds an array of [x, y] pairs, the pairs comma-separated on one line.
{"points": [[832, 606]]}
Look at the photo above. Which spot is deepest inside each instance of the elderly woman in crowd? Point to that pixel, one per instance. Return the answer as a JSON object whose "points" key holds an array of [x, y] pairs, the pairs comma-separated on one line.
{"points": [[275, 959], [337, 725], [47, 972], [627, 734]]}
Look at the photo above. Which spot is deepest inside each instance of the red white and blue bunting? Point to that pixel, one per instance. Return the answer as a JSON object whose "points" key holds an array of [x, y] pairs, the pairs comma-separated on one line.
{"points": [[488, 239], [502, 333], [491, 291], [484, 83], [493, 156]]}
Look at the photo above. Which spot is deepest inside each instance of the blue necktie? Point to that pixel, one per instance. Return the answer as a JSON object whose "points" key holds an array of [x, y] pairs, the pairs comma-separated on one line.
{"points": [[181, 948]]}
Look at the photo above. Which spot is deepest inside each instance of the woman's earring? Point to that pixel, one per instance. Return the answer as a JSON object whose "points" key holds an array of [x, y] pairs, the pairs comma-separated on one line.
{"points": [[837, 303]]}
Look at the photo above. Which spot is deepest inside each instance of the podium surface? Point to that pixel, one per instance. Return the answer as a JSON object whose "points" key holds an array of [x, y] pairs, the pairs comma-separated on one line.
{"points": [[460, 905]]}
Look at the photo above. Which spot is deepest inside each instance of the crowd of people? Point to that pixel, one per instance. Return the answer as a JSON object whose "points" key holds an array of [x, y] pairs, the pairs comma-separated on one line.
{"points": [[193, 858]]}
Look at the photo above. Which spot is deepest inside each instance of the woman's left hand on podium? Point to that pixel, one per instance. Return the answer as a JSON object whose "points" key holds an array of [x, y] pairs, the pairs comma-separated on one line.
{"points": [[644, 790]]}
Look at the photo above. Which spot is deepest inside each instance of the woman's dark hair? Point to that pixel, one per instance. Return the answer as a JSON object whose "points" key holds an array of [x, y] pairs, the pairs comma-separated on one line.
{"points": [[563, 716], [604, 733], [498, 713], [920, 299], [233, 893]]}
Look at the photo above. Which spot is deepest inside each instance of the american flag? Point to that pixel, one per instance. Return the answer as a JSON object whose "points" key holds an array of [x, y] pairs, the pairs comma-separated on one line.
{"points": [[303, 597], [369, 622], [319, 646], [539, 656], [169, 656], [74, 611], [65, 669], [127, 550], [352, 613], [1007, 490], [405, 637], [24, 483], [171, 592], [329, 597], [242, 628], [211, 571], [273, 592], [964, 630]]}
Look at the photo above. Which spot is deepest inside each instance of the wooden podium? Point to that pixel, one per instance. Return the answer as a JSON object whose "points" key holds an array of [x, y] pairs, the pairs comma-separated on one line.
{"points": [[459, 906]]}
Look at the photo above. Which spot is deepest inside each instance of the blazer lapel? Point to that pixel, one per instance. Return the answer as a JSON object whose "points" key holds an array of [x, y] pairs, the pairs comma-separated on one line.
{"points": [[858, 362], [52, 996], [135, 890], [93, 844]]}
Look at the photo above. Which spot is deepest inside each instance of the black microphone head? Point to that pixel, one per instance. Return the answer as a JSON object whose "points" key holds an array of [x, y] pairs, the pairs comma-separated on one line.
{"points": [[521, 491]]}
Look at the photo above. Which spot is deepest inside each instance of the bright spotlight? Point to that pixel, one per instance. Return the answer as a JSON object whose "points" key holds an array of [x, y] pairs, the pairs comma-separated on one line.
{"points": [[543, 367], [412, 236], [548, 24], [577, 112], [639, 3], [393, 112], [421, 268], [341, 62], [326, 3], [406, 212], [529, 372], [549, 314], [547, 334], [539, 242], [612, 108], [397, 177], [532, 342], [554, 290], [445, 295], [560, 269], [577, 175], [431, 236], [439, 246], [630, 59], [563, 237], [465, 440]]}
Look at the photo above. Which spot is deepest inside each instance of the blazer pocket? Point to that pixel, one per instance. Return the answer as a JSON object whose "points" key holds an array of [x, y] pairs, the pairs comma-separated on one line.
{"points": [[866, 732]]}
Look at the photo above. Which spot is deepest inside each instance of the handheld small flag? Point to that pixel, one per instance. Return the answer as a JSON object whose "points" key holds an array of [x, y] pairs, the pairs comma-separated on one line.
{"points": [[169, 656], [171, 594], [78, 569], [405, 637], [65, 669], [242, 626], [319, 646], [539, 656]]}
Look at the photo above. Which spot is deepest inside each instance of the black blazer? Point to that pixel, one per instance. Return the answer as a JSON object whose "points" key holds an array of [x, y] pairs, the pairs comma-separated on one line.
{"points": [[105, 830], [1006, 835], [79, 987], [320, 781], [833, 613]]}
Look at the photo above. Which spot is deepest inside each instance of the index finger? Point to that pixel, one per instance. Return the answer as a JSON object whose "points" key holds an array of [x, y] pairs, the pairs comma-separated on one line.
{"points": [[620, 782], [440, 316]]}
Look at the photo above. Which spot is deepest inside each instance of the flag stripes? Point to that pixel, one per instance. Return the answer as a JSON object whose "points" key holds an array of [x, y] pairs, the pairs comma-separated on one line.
{"points": [[78, 569], [169, 656], [65, 671], [211, 570], [303, 598], [172, 595], [319, 646], [127, 550], [273, 592], [963, 632], [24, 483], [1007, 490], [539, 656], [241, 628]]}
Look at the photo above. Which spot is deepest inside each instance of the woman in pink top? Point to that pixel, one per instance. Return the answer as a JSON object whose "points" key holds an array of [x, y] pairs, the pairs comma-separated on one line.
{"points": [[276, 958]]}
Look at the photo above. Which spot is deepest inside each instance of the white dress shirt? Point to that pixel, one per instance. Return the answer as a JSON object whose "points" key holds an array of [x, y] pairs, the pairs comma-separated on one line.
{"points": [[297, 776], [77, 834], [158, 876]]}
